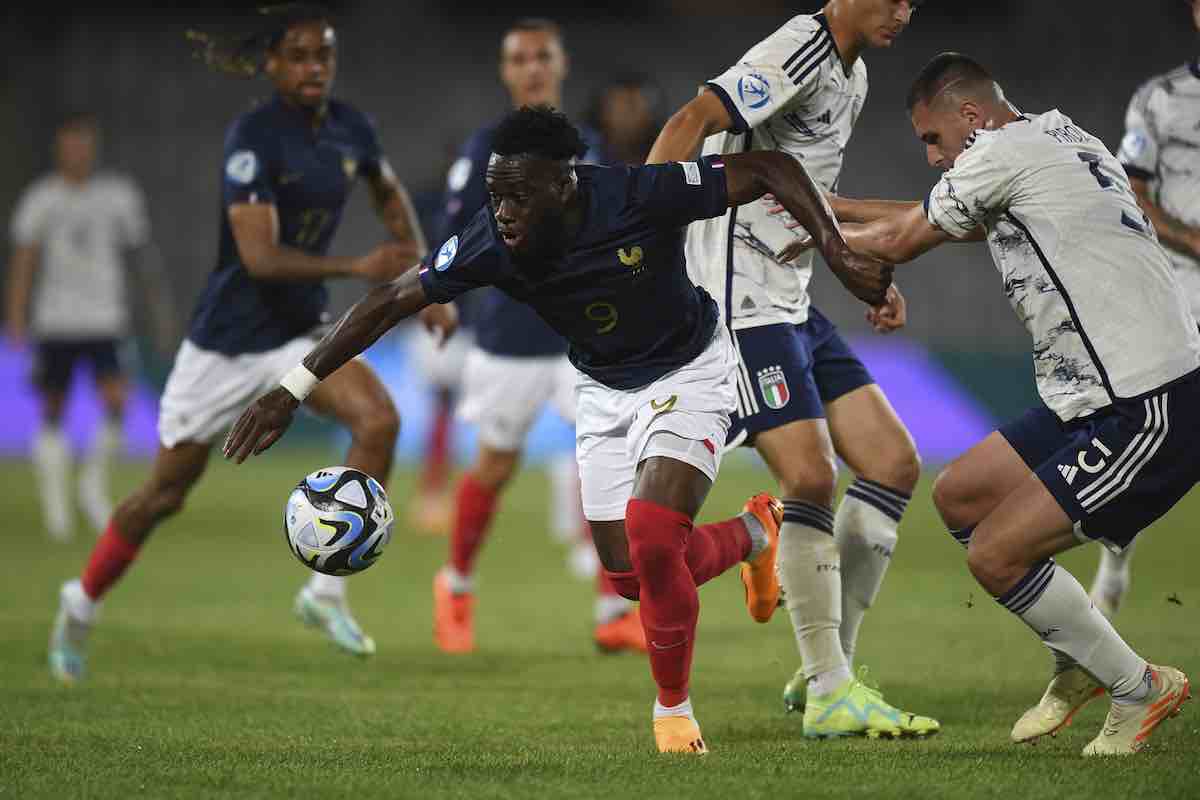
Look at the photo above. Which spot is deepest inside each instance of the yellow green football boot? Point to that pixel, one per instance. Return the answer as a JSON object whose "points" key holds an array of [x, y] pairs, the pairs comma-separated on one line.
{"points": [[858, 709]]}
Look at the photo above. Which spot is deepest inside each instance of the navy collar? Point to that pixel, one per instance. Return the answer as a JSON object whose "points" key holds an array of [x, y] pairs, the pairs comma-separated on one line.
{"points": [[297, 116], [833, 41]]}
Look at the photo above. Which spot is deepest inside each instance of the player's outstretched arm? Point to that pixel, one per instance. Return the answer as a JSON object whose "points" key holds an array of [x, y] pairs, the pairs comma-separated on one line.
{"points": [[686, 130], [898, 238], [1171, 232], [256, 232], [21, 268], [749, 176], [266, 419]]}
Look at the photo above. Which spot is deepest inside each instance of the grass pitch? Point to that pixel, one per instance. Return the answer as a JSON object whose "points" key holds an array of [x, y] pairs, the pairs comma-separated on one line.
{"points": [[203, 685]]}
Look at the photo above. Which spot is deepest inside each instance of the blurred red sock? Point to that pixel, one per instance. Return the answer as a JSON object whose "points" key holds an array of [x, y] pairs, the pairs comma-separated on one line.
{"points": [[437, 449], [714, 548], [670, 605], [111, 556], [474, 506]]}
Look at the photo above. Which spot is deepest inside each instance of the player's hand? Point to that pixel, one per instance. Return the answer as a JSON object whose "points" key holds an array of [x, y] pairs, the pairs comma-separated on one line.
{"points": [[386, 262], [892, 315], [260, 425], [865, 277], [441, 320]]}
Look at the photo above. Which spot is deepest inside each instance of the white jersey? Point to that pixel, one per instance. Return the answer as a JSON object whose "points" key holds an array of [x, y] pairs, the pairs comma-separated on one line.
{"points": [[1080, 262], [1162, 146], [81, 233], [789, 93]]}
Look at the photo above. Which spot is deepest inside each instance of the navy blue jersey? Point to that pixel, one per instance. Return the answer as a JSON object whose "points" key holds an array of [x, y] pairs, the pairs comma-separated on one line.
{"points": [[620, 296], [502, 326], [272, 155]]}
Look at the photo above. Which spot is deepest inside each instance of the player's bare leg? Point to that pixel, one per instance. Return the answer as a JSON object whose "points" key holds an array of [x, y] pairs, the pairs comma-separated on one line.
{"points": [[657, 556], [52, 464], [356, 398], [965, 493], [106, 442], [174, 472], [1011, 555]]}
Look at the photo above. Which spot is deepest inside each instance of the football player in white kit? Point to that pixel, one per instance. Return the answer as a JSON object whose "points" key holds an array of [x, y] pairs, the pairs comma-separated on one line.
{"points": [[73, 231], [1116, 356], [1161, 155], [804, 398]]}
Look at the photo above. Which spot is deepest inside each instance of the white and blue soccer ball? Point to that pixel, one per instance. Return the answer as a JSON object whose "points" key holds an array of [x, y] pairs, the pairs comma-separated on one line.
{"points": [[338, 520]]}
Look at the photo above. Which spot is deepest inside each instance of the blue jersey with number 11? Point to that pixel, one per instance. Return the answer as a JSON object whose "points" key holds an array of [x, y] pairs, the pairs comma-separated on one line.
{"points": [[620, 295]]}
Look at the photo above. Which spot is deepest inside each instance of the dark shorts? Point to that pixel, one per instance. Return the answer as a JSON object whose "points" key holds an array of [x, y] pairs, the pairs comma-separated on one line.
{"points": [[54, 360], [1116, 471], [790, 372]]}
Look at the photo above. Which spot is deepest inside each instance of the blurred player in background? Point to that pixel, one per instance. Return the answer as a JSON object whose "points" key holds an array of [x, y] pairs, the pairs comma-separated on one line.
{"points": [[804, 398], [1112, 446], [599, 252], [628, 114], [517, 365], [288, 169], [72, 233], [1161, 155]]}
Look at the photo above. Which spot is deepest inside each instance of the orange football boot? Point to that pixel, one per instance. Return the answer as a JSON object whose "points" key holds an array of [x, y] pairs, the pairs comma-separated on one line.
{"points": [[758, 576], [678, 735], [453, 617], [623, 633]]}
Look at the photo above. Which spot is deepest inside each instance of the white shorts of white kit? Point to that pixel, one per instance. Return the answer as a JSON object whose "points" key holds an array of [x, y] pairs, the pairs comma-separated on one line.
{"points": [[615, 430], [441, 366], [503, 395], [207, 391]]}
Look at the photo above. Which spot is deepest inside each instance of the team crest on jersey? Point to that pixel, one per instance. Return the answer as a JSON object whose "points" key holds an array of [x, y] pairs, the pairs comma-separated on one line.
{"points": [[774, 387], [350, 166], [754, 90], [632, 258], [445, 256], [1134, 144]]}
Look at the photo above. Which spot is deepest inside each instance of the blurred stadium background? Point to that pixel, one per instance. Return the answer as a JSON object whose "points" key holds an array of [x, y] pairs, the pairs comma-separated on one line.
{"points": [[427, 71]]}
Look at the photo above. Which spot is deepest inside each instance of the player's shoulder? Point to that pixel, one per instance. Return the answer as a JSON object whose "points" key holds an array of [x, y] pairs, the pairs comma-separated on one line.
{"points": [[478, 146], [251, 126], [352, 117], [802, 30], [42, 188]]}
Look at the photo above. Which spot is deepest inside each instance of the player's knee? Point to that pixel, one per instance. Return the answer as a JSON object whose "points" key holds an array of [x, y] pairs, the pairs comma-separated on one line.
{"points": [[991, 565], [378, 425], [813, 481], [952, 499], [903, 469]]}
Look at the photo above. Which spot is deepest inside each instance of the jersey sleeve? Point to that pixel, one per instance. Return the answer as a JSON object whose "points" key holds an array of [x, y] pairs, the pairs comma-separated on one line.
{"points": [[779, 69], [973, 192], [249, 159], [466, 190], [465, 261], [372, 161], [1140, 145], [674, 194], [28, 222], [135, 223]]}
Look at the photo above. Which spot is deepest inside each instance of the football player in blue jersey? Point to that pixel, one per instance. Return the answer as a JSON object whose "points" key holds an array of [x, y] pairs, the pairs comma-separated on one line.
{"points": [[598, 253], [288, 169], [516, 366]]}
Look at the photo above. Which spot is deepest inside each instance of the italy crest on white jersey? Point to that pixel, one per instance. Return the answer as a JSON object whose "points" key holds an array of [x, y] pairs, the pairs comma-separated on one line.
{"points": [[789, 93]]}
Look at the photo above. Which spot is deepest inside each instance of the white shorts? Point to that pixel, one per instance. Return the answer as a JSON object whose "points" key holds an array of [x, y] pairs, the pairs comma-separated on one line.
{"points": [[614, 429], [442, 366], [207, 391], [503, 395]]}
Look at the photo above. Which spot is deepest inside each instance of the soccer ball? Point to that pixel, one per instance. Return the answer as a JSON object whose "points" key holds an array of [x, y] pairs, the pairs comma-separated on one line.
{"points": [[337, 521]]}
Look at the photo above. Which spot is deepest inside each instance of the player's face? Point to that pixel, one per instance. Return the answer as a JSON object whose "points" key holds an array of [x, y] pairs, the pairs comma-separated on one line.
{"points": [[944, 129], [626, 114], [1196, 13], [75, 150], [880, 22], [528, 197], [304, 64], [533, 67]]}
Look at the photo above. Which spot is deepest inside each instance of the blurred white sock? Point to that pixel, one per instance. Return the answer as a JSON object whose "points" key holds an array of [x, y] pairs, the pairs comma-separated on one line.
{"points": [[611, 607], [1112, 580], [331, 587], [93, 478], [566, 512], [52, 465]]}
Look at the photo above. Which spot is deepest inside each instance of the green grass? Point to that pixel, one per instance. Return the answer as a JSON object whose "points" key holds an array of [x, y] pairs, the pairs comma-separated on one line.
{"points": [[204, 686]]}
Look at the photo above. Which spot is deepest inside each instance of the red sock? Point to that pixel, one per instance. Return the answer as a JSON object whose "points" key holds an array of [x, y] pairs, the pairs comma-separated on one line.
{"points": [[716, 547], [111, 556], [670, 605], [474, 506], [437, 449], [623, 583]]}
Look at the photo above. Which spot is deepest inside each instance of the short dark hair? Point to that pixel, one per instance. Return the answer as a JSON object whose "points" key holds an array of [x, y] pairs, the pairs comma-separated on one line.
{"points": [[245, 54], [78, 119], [940, 72], [536, 24], [538, 131]]}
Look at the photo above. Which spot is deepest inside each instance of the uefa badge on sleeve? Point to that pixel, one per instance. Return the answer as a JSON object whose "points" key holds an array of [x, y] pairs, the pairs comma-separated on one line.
{"points": [[772, 383]]}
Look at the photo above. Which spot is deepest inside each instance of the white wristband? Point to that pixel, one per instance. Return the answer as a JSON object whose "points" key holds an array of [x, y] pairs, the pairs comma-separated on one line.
{"points": [[300, 382]]}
